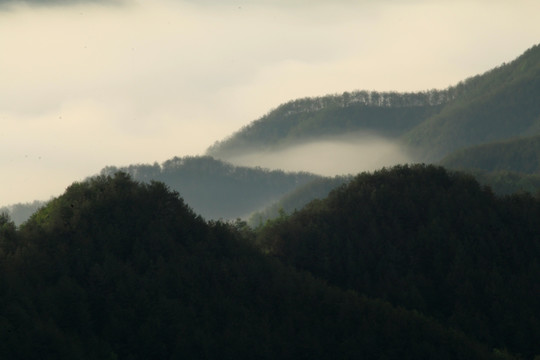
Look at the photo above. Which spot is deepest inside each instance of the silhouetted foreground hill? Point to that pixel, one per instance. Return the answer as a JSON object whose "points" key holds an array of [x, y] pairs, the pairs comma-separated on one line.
{"points": [[430, 240], [115, 269]]}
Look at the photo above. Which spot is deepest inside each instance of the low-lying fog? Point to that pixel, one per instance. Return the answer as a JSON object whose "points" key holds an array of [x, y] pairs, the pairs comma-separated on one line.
{"points": [[329, 157]]}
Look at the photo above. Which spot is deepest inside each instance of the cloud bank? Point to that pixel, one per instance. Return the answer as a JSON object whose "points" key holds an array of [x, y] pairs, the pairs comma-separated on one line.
{"points": [[330, 157]]}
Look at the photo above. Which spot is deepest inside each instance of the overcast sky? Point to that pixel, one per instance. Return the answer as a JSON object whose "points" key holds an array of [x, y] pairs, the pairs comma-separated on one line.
{"points": [[85, 84]]}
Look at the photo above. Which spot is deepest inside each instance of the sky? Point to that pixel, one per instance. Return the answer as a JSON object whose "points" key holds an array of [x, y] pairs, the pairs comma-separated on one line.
{"points": [[87, 84]]}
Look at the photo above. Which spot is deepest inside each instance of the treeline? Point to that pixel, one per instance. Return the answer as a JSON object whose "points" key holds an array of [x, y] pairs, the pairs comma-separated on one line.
{"points": [[116, 269], [428, 240], [369, 98]]}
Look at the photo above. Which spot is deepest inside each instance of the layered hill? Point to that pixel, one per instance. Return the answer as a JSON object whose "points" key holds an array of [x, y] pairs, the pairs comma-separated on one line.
{"points": [[309, 119], [520, 155], [489, 124], [216, 189], [213, 188], [499, 104], [297, 199], [507, 166], [428, 240], [115, 269]]}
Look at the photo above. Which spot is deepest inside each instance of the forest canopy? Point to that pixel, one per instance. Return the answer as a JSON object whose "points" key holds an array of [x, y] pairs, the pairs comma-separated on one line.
{"points": [[116, 269]]}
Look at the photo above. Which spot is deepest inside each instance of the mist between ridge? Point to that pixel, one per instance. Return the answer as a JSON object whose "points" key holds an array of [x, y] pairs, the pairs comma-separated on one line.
{"points": [[336, 155]]}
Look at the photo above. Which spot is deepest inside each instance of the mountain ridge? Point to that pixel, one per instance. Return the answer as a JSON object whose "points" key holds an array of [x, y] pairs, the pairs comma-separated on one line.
{"points": [[498, 104]]}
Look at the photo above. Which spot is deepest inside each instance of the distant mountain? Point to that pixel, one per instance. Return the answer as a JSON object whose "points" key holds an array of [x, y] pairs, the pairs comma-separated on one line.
{"points": [[500, 104], [213, 188], [520, 155], [216, 189], [507, 182], [428, 240], [385, 114], [115, 269]]}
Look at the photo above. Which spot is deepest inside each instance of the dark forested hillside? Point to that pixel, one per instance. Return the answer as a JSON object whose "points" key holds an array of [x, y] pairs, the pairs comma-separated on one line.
{"points": [[215, 189], [384, 114], [430, 240], [499, 104], [507, 182], [520, 155], [115, 269]]}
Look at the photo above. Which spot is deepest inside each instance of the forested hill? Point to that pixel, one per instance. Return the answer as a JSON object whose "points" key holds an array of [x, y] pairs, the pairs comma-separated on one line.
{"points": [[430, 240], [115, 269], [385, 114], [215, 189], [520, 155], [499, 104]]}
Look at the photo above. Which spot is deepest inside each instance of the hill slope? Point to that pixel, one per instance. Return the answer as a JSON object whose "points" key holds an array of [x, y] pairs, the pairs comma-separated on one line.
{"points": [[386, 114], [116, 269], [500, 104], [297, 199], [520, 155], [215, 189], [428, 240]]}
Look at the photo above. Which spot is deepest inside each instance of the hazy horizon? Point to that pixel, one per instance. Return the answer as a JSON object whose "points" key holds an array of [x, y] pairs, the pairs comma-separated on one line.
{"points": [[87, 84]]}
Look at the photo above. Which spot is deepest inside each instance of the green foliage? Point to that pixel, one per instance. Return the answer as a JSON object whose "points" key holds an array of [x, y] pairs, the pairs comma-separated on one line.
{"points": [[428, 240], [115, 269]]}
